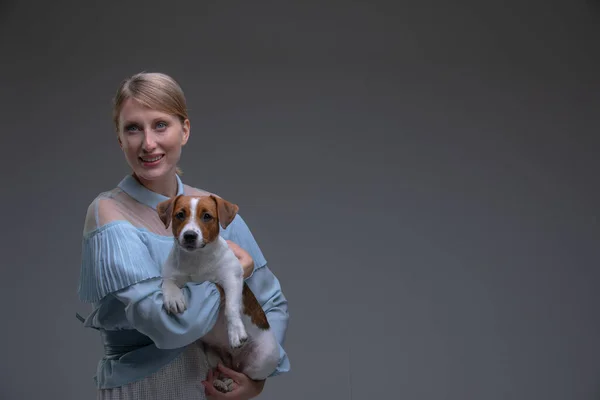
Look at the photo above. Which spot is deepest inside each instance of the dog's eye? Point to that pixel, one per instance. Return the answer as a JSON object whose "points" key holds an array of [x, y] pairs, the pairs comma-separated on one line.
{"points": [[180, 215], [206, 217]]}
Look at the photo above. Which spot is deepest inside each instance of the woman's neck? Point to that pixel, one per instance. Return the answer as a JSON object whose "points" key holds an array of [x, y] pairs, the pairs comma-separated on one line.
{"points": [[167, 186]]}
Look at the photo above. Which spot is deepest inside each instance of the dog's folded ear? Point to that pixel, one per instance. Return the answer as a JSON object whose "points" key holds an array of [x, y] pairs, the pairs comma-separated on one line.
{"points": [[226, 210], [165, 210]]}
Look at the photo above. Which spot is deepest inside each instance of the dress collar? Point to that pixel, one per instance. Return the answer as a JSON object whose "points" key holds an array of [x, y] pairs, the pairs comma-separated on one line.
{"points": [[139, 192]]}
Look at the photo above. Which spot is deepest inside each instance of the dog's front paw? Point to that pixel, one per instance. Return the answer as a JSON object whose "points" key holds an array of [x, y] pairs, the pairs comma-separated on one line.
{"points": [[174, 300], [237, 335]]}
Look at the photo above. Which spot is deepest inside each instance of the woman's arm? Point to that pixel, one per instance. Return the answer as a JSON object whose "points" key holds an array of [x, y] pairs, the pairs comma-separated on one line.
{"points": [[117, 262], [145, 312]]}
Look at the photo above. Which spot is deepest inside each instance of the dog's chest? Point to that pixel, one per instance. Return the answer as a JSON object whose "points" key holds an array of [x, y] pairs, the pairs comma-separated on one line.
{"points": [[208, 267]]}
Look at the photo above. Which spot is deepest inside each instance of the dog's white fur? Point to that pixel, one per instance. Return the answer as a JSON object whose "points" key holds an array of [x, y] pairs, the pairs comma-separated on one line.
{"points": [[234, 340]]}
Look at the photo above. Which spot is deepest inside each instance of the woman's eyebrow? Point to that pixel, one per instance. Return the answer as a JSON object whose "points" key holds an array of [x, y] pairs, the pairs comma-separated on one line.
{"points": [[129, 122], [134, 121]]}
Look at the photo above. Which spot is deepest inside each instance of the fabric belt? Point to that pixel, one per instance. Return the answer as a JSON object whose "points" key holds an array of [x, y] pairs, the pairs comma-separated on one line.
{"points": [[118, 343]]}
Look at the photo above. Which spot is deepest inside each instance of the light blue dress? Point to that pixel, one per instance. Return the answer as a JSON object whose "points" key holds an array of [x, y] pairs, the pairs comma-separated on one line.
{"points": [[149, 352]]}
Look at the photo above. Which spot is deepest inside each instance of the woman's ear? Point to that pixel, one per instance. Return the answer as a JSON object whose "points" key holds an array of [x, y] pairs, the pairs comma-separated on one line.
{"points": [[186, 132]]}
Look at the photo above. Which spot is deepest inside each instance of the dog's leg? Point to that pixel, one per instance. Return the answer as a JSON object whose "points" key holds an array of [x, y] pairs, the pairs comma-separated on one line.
{"points": [[232, 286], [221, 382], [213, 357], [173, 298]]}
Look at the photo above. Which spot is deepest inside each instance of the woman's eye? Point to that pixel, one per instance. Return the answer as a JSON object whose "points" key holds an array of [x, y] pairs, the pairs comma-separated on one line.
{"points": [[161, 125], [131, 128]]}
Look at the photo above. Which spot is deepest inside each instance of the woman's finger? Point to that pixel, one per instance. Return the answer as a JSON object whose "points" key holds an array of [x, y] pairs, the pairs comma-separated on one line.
{"points": [[237, 250], [236, 376], [234, 246]]}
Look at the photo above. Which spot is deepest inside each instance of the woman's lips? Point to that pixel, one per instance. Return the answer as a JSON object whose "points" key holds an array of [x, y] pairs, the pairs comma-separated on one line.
{"points": [[150, 161]]}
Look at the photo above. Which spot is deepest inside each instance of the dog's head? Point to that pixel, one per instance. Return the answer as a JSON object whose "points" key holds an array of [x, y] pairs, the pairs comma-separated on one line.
{"points": [[195, 220]]}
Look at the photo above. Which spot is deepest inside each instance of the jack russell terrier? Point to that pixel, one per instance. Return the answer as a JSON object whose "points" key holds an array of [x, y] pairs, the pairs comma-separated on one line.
{"points": [[241, 338]]}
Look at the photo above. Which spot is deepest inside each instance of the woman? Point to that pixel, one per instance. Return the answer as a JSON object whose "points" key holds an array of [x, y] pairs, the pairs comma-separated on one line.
{"points": [[149, 353]]}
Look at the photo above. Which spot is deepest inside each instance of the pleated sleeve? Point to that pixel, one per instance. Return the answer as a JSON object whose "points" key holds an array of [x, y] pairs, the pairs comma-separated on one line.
{"points": [[114, 256]]}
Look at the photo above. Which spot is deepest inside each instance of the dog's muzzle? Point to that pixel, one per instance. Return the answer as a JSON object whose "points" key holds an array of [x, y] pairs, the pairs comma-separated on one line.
{"points": [[190, 241]]}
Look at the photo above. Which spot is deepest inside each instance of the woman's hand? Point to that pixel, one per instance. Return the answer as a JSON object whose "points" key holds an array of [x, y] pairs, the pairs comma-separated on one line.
{"points": [[244, 388], [244, 257]]}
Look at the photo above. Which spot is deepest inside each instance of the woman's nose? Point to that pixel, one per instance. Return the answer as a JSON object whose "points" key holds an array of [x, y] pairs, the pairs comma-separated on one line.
{"points": [[149, 142]]}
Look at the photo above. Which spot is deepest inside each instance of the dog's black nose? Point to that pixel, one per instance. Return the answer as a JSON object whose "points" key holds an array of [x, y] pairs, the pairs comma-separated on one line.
{"points": [[190, 236]]}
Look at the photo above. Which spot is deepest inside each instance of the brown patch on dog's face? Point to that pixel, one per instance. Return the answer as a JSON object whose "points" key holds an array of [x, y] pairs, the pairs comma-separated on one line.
{"points": [[207, 218], [212, 211], [181, 214]]}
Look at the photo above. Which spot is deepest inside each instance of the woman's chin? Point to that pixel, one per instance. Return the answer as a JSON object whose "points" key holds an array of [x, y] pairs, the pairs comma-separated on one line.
{"points": [[151, 174]]}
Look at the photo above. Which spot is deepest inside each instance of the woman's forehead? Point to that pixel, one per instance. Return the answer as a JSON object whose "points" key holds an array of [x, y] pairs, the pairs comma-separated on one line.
{"points": [[132, 109]]}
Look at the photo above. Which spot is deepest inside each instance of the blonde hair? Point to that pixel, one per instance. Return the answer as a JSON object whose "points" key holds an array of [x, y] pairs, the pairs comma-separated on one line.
{"points": [[154, 90]]}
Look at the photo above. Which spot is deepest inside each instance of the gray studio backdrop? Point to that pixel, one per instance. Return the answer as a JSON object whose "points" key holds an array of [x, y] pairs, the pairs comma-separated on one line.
{"points": [[422, 176]]}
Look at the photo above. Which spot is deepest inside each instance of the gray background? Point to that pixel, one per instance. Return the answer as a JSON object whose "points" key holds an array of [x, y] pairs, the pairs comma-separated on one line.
{"points": [[422, 176]]}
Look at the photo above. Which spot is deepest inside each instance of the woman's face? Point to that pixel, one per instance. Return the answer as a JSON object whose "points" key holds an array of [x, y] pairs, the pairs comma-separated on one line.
{"points": [[151, 140]]}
